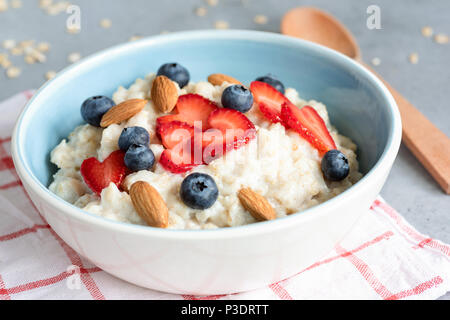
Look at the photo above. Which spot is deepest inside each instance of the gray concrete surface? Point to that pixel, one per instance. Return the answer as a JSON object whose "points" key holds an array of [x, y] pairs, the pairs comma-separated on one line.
{"points": [[409, 187]]}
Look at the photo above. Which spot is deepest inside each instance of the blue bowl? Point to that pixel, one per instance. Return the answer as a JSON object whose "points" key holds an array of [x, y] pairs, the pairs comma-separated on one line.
{"points": [[358, 105]]}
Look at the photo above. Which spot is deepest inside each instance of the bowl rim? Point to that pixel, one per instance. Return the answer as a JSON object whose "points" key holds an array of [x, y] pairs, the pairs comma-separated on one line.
{"points": [[42, 191]]}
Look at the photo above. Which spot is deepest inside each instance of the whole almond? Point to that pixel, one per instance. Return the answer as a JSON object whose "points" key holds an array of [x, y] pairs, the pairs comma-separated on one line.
{"points": [[164, 94], [256, 204], [218, 78], [123, 111], [149, 204]]}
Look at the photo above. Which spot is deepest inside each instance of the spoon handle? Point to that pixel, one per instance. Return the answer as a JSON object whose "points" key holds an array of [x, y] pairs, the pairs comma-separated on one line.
{"points": [[428, 144]]}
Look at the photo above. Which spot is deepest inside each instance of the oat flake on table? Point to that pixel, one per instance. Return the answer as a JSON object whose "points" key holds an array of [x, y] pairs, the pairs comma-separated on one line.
{"points": [[441, 38], [221, 24]]}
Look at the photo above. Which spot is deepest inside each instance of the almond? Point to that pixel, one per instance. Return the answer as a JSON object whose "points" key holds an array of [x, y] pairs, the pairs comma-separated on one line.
{"points": [[123, 111], [256, 204], [218, 78], [149, 204], [164, 94]]}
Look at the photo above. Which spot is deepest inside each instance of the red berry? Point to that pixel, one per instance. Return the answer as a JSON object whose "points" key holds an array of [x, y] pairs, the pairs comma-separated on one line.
{"points": [[176, 161], [193, 107], [190, 108], [213, 145], [175, 132], [221, 130], [165, 119], [98, 175], [308, 123], [268, 99], [237, 129]]}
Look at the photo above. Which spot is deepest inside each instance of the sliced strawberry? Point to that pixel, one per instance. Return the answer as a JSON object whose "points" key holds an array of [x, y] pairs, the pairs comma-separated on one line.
{"points": [[221, 130], [213, 145], [307, 122], [175, 132], [165, 119], [268, 99], [193, 107], [98, 175], [238, 130], [176, 161]]}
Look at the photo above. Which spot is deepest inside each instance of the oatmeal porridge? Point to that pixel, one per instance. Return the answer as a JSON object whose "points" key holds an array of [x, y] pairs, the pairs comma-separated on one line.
{"points": [[287, 163]]}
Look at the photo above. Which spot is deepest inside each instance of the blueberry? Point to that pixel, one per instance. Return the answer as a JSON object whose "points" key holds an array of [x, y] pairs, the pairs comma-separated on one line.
{"points": [[335, 165], [273, 81], [93, 109], [176, 72], [139, 157], [199, 191], [237, 97], [133, 135]]}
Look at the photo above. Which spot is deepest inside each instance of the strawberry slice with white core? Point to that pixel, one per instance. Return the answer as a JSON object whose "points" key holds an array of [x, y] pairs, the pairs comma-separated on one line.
{"points": [[164, 120], [175, 132], [234, 125], [193, 107], [209, 131], [309, 124], [213, 145], [176, 160], [269, 100], [98, 175]]}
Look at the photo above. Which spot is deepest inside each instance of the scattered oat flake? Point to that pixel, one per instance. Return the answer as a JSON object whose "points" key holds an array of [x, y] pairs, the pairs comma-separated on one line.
{"points": [[13, 72], [3, 5], [441, 38], [201, 11], [17, 51], [376, 61], [414, 58], [164, 32], [212, 3], [427, 31], [105, 23], [220, 24], [26, 44], [6, 63], [29, 59], [37, 55], [134, 38], [73, 30], [43, 46], [16, 4], [74, 57], [50, 74], [9, 44], [45, 3], [54, 9], [4, 60], [260, 19]]}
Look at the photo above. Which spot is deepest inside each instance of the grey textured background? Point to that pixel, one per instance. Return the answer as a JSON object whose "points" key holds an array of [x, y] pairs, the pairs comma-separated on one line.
{"points": [[409, 187]]}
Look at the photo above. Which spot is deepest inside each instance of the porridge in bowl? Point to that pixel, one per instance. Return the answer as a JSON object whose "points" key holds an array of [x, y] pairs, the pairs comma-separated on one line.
{"points": [[171, 153]]}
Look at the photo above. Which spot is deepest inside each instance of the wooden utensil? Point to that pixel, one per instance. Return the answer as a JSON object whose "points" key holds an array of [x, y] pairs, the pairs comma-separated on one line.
{"points": [[428, 144]]}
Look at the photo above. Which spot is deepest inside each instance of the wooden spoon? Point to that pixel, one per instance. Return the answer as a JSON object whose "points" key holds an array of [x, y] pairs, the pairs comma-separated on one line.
{"points": [[428, 144]]}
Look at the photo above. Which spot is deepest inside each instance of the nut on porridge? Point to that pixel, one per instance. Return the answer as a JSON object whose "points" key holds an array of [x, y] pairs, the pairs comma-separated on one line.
{"points": [[171, 153]]}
